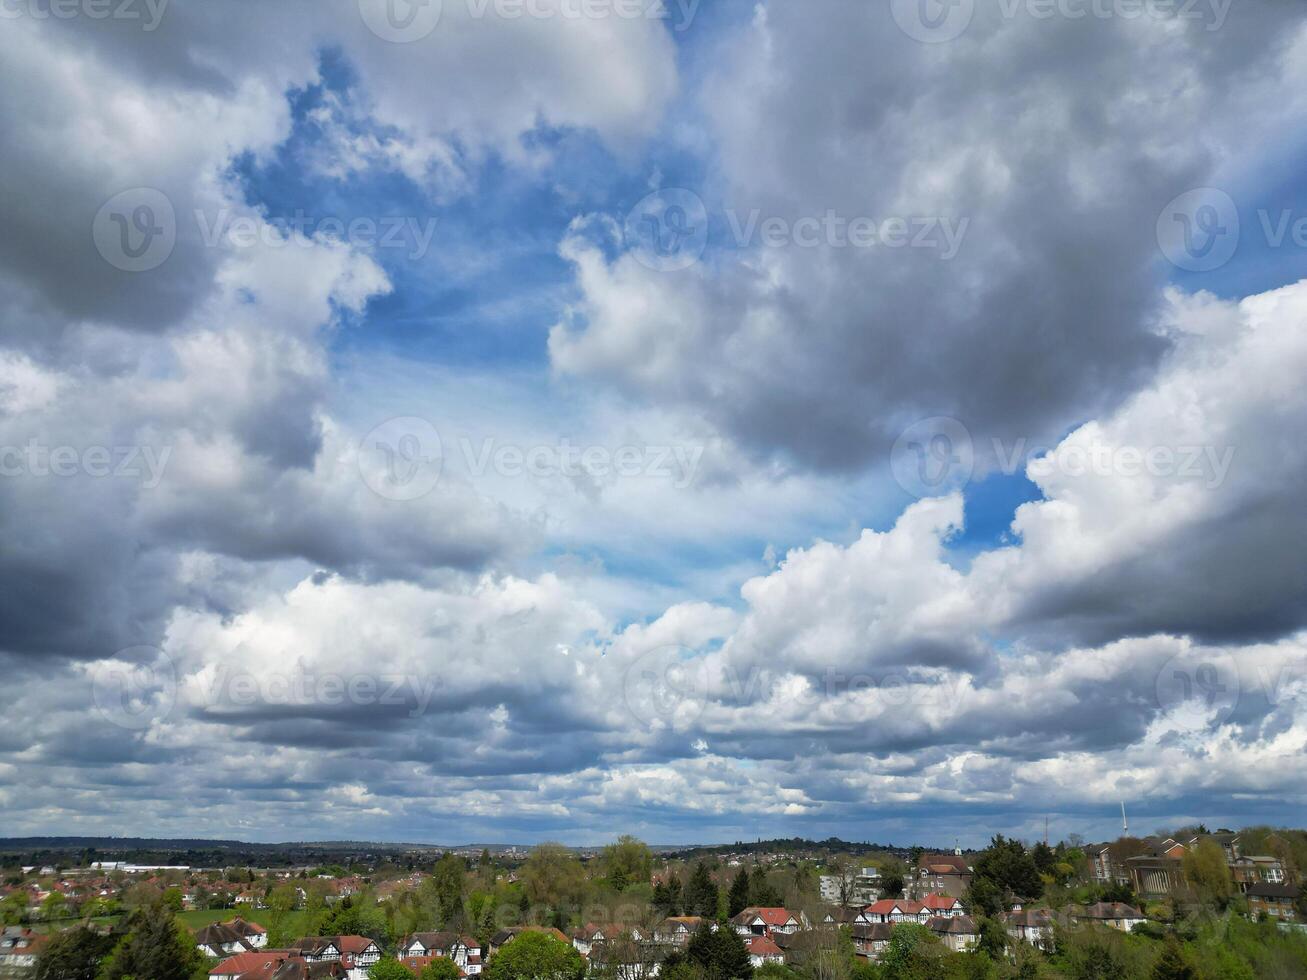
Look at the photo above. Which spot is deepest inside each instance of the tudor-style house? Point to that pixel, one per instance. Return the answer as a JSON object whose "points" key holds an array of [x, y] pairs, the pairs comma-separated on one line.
{"points": [[767, 921], [463, 950], [896, 910], [677, 930]]}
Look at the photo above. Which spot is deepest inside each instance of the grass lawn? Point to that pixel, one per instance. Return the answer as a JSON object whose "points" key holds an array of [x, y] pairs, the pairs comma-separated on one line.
{"points": [[200, 918]]}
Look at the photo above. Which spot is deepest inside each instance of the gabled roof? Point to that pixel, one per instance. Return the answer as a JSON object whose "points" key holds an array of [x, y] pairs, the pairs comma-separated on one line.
{"points": [[944, 864], [247, 962], [353, 945], [315, 945], [1110, 910], [1030, 918], [952, 925], [762, 946], [770, 916], [888, 905], [932, 902], [299, 969]]}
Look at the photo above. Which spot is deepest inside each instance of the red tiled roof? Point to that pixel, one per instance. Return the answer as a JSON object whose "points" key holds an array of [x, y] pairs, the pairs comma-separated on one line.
{"points": [[762, 946], [245, 962], [938, 902]]}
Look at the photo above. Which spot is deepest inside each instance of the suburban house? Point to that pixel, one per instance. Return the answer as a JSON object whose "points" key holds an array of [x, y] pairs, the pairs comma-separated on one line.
{"points": [[896, 910], [317, 949], [1118, 915], [301, 969], [947, 874], [226, 938], [766, 922], [463, 950], [846, 917], [763, 951], [591, 935], [870, 940], [19, 948], [1277, 901], [945, 905], [958, 932], [677, 930], [258, 962], [1034, 926]]}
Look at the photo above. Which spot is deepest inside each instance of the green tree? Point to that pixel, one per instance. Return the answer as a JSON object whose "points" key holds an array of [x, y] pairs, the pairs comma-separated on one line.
{"points": [[552, 875], [389, 969], [13, 910], [892, 878], [55, 906], [73, 954], [905, 949], [1208, 874], [447, 878], [737, 900], [993, 938], [627, 862], [762, 893], [1007, 866], [281, 905], [441, 969], [536, 956], [155, 947], [720, 953], [1172, 965], [701, 893], [172, 899]]}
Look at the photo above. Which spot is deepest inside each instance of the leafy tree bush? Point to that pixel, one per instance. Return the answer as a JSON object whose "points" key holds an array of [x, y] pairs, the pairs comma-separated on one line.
{"points": [[440, 969], [536, 956], [155, 947], [389, 969], [720, 953], [73, 954]]}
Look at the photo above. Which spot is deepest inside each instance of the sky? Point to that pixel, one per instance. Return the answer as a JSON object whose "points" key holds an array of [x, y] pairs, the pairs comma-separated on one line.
{"points": [[512, 420]]}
